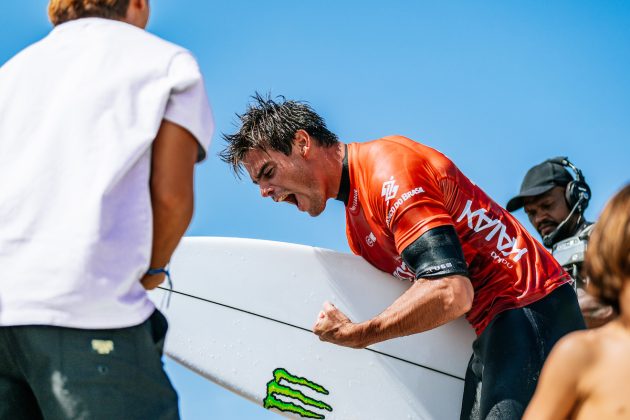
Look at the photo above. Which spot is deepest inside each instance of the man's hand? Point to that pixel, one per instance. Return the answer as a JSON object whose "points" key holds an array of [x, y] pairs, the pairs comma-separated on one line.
{"points": [[335, 327], [152, 281], [424, 306]]}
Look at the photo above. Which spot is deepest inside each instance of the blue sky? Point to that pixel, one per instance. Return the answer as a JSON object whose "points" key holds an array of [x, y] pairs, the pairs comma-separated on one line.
{"points": [[496, 85]]}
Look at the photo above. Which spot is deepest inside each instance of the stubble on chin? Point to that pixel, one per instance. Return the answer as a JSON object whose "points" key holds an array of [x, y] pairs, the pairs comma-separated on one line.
{"points": [[316, 208]]}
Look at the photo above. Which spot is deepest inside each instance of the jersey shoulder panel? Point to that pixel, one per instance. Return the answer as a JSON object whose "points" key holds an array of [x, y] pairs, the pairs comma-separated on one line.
{"points": [[400, 179]]}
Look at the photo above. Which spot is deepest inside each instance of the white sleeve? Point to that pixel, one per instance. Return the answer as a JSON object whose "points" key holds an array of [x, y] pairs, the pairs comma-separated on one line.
{"points": [[188, 102]]}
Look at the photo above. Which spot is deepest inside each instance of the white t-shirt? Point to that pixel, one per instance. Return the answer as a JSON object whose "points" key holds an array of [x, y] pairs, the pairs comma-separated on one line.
{"points": [[79, 111]]}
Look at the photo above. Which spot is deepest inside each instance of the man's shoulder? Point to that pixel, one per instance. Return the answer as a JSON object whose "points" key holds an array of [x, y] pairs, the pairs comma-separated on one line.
{"points": [[120, 36], [159, 42], [580, 346], [21, 55], [391, 170], [392, 142], [376, 161], [145, 39], [398, 150], [395, 159]]}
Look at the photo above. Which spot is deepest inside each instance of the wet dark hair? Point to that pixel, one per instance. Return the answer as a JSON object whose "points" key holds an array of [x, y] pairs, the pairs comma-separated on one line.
{"points": [[269, 124]]}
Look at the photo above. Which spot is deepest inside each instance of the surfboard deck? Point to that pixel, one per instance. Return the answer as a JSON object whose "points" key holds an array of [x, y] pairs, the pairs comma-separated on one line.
{"points": [[241, 313]]}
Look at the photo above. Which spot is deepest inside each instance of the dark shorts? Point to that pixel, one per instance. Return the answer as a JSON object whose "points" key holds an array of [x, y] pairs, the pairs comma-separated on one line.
{"points": [[67, 373], [509, 354]]}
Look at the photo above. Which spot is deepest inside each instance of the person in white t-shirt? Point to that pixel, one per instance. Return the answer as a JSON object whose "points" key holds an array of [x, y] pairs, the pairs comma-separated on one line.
{"points": [[101, 124]]}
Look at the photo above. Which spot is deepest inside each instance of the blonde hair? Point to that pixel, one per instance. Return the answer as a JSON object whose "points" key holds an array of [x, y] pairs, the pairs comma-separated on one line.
{"points": [[60, 11], [607, 262]]}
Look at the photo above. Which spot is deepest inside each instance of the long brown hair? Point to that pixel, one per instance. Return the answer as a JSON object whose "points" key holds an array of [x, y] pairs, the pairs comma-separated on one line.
{"points": [[60, 11], [607, 262]]}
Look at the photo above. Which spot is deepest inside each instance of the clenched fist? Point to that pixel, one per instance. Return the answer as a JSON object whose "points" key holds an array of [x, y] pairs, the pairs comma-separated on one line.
{"points": [[335, 327]]}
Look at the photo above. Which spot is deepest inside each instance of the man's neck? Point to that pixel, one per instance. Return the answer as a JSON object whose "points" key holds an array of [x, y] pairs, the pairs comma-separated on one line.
{"points": [[333, 158], [344, 182]]}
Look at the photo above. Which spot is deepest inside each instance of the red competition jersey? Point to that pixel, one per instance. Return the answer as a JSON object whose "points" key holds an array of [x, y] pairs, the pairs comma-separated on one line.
{"points": [[399, 189]]}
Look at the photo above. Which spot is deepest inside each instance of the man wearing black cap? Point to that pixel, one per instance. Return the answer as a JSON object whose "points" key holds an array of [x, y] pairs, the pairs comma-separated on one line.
{"points": [[555, 202]]}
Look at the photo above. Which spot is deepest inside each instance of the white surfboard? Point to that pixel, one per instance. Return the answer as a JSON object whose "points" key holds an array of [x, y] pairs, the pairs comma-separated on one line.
{"points": [[241, 313]]}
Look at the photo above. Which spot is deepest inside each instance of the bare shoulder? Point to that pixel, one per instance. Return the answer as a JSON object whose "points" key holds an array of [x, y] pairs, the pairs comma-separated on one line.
{"points": [[580, 376], [560, 379], [579, 348], [613, 338]]}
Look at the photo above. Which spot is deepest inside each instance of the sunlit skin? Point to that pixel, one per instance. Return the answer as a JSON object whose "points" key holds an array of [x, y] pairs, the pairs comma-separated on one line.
{"points": [[586, 374], [307, 178], [427, 304], [546, 211], [137, 13]]}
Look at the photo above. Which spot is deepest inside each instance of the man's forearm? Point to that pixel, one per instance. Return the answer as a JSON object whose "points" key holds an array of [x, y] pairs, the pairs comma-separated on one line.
{"points": [[172, 195], [170, 221], [426, 305]]}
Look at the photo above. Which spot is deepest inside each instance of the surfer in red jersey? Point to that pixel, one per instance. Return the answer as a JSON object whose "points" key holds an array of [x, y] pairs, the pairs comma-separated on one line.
{"points": [[412, 213], [586, 375]]}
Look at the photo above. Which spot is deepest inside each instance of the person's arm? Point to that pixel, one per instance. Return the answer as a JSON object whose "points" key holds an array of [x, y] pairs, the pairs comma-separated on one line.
{"points": [[557, 392], [172, 164], [441, 294], [424, 306]]}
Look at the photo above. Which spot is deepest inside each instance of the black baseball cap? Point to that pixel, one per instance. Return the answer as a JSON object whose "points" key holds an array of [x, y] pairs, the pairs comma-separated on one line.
{"points": [[538, 180]]}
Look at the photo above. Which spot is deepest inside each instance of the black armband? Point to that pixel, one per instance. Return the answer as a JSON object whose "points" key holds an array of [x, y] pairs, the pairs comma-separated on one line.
{"points": [[436, 253]]}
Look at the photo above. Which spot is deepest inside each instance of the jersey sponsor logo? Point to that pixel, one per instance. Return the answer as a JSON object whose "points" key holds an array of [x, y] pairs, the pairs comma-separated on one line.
{"points": [[370, 239], [436, 268], [505, 244], [389, 189], [355, 200], [402, 272], [280, 385], [500, 260], [404, 197]]}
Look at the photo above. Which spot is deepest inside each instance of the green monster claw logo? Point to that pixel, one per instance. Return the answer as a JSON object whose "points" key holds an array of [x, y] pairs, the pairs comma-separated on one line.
{"points": [[275, 388]]}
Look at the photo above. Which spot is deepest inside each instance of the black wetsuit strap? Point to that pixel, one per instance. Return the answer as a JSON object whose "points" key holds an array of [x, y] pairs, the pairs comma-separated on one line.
{"points": [[344, 185]]}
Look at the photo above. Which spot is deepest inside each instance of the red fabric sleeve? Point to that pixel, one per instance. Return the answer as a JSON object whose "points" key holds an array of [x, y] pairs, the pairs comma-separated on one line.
{"points": [[405, 195]]}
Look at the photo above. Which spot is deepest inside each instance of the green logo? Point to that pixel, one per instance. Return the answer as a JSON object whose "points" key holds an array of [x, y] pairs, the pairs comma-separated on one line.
{"points": [[274, 388]]}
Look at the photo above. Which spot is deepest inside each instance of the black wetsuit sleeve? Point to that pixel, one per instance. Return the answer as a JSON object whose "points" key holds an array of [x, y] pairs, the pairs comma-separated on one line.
{"points": [[436, 253]]}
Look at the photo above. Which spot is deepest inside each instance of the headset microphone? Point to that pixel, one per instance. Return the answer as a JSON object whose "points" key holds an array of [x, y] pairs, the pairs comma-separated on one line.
{"points": [[577, 195], [549, 240]]}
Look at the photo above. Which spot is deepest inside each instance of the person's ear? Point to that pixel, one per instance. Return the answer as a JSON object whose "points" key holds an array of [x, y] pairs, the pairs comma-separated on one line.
{"points": [[142, 5], [138, 13], [302, 142]]}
